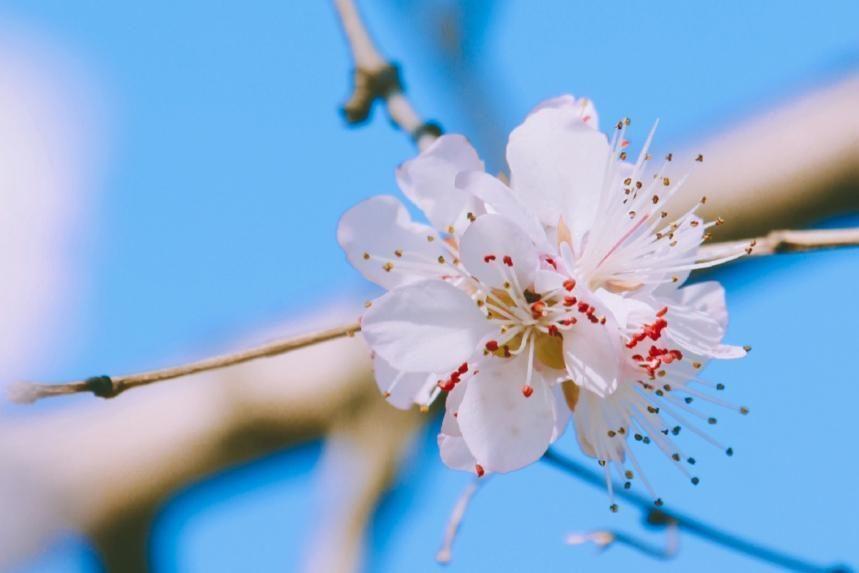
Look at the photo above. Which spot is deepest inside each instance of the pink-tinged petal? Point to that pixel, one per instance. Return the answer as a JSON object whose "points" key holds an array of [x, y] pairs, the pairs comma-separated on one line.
{"points": [[500, 199], [557, 166], [583, 107], [429, 181], [375, 231], [452, 447], [504, 429], [403, 389], [429, 326], [592, 353], [494, 248]]}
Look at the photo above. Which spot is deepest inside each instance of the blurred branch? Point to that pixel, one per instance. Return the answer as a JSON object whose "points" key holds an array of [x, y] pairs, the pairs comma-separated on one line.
{"points": [[377, 79], [792, 164], [91, 467], [663, 517]]}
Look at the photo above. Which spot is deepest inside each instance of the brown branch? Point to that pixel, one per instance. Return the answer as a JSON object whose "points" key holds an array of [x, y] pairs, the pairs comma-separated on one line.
{"points": [[376, 79], [108, 387], [780, 242]]}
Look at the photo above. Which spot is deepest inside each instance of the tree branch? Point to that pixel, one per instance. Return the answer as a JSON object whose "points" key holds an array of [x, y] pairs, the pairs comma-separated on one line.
{"points": [[108, 387], [377, 79], [779, 242]]}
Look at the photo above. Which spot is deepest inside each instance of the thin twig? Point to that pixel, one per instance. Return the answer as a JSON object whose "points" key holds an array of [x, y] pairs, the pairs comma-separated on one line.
{"points": [[605, 538], [377, 79], [663, 517], [779, 242], [109, 387], [445, 553]]}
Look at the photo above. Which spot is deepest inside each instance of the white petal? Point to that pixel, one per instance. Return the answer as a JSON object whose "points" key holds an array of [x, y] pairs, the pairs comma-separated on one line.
{"points": [[501, 200], [557, 166], [429, 326], [592, 354], [499, 237], [403, 389], [707, 297], [583, 107], [546, 280], [560, 413], [380, 226], [502, 428], [452, 447], [429, 181]]}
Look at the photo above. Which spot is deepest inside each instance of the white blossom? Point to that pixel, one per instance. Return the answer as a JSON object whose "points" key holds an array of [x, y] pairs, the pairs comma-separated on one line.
{"points": [[557, 294]]}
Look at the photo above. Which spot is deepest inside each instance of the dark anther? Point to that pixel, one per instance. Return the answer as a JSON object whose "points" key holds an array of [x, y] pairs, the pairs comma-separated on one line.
{"points": [[101, 386], [530, 296]]}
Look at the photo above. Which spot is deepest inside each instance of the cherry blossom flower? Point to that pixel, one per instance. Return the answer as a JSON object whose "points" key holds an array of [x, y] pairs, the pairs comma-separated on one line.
{"points": [[557, 294]]}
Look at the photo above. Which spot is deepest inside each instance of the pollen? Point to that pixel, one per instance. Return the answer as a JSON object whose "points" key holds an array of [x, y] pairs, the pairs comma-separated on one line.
{"points": [[389, 266]]}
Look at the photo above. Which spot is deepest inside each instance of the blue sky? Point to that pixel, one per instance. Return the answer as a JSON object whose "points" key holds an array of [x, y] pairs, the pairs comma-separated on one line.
{"points": [[228, 167]]}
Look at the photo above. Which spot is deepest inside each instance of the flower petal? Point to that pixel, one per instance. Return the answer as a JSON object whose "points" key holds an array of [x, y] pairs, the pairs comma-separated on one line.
{"points": [[429, 326], [582, 106], [502, 428], [557, 166], [452, 447], [707, 297], [501, 200], [402, 389], [592, 354], [499, 237], [428, 181], [374, 230]]}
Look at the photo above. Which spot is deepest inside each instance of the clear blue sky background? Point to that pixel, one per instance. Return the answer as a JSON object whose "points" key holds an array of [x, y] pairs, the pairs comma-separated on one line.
{"points": [[229, 166]]}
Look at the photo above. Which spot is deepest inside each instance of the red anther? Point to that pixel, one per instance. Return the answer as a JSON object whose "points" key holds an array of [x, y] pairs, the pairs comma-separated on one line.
{"points": [[478, 469], [583, 307], [553, 330], [569, 284], [638, 357], [507, 260], [527, 391], [446, 385], [568, 321], [492, 345], [537, 309], [463, 368], [570, 300], [676, 354], [551, 261], [454, 377], [593, 318], [586, 118], [602, 320], [624, 143], [506, 351], [662, 312], [488, 258]]}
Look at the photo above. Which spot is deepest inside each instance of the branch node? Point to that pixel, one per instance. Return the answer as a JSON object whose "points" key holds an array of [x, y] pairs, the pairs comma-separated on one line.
{"points": [[427, 128], [102, 386], [367, 87]]}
